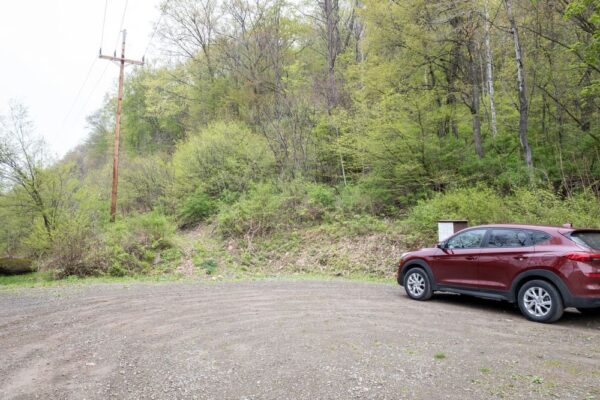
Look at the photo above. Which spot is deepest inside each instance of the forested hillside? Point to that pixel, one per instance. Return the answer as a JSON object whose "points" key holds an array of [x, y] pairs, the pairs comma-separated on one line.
{"points": [[264, 117]]}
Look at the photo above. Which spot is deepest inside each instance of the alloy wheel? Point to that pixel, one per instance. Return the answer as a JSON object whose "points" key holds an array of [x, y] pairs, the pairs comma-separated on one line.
{"points": [[537, 301], [416, 284]]}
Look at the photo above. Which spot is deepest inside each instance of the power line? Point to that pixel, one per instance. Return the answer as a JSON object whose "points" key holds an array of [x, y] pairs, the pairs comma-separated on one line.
{"points": [[93, 89], [103, 24], [152, 37], [91, 93], [121, 26], [156, 28], [87, 77]]}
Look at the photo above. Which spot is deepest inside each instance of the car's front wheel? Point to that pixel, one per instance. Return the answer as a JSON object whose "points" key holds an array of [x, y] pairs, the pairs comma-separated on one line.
{"points": [[417, 284], [540, 301]]}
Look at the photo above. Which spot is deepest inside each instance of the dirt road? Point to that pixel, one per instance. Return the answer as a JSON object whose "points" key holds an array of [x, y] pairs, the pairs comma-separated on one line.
{"points": [[284, 340]]}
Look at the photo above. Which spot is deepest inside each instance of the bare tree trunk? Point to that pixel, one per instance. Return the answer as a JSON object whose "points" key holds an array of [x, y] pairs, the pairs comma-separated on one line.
{"points": [[330, 10], [489, 74], [523, 105], [587, 108], [476, 123], [475, 103], [331, 14]]}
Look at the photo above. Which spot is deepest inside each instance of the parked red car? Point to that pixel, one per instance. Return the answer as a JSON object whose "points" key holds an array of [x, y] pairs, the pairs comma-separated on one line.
{"points": [[543, 269]]}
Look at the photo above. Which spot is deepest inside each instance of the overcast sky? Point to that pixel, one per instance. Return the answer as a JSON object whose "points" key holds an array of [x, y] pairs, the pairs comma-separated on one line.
{"points": [[46, 50]]}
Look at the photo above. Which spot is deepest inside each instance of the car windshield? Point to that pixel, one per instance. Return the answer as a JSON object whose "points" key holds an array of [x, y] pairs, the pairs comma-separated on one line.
{"points": [[587, 238]]}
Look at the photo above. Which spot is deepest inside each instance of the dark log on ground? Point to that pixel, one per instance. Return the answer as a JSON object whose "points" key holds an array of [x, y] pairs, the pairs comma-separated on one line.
{"points": [[15, 266]]}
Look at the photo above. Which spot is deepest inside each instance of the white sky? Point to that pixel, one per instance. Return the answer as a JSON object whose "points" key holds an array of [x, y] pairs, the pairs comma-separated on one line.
{"points": [[46, 50]]}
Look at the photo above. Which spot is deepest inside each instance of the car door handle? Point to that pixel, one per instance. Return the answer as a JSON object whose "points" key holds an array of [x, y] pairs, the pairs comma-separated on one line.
{"points": [[471, 258], [520, 258]]}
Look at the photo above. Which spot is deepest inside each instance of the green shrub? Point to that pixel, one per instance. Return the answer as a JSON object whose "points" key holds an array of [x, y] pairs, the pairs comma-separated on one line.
{"points": [[76, 249], [478, 205], [483, 205], [209, 266], [257, 212], [146, 181], [321, 196], [356, 225], [197, 207], [134, 242], [151, 230], [581, 209], [221, 157], [268, 207], [363, 198]]}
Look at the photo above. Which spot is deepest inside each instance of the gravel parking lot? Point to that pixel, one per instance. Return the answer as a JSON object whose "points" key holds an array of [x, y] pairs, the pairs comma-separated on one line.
{"points": [[284, 340]]}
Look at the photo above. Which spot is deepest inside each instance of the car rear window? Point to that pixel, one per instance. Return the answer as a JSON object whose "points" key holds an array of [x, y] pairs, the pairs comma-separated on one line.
{"points": [[587, 238], [538, 237]]}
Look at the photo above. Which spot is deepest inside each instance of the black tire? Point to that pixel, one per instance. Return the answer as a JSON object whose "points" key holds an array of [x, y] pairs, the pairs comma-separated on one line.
{"points": [[417, 284], [589, 311], [540, 301]]}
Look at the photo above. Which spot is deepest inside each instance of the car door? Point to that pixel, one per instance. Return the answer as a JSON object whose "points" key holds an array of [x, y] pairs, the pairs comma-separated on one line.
{"points": [[506, 252], [456, 263]]}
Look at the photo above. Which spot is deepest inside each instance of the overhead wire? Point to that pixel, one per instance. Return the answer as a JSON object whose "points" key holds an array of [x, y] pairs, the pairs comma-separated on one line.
{"points": [[155, 28], [121, 25], [107, 64], [94, 88], [91, 67], [103, 24], [87, 77]]}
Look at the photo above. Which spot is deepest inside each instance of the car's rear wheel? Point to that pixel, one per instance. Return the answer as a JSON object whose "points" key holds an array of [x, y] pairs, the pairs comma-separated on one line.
{"points": [[540, 301], [417, 284]]}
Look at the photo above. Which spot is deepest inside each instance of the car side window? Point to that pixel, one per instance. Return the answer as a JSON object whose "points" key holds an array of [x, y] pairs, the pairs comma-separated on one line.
{"points": [[538, 237], [467, 240], [510, 238]]}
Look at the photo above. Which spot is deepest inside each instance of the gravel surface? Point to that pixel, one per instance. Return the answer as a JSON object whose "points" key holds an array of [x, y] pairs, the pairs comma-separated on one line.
{"points": [[285, 340]]}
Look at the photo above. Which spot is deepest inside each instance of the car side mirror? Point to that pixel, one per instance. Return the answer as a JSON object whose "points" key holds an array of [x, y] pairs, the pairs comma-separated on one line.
{"points": [[441, 245]]}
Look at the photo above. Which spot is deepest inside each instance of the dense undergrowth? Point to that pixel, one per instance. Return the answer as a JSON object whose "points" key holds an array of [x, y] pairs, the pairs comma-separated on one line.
{"points": [[300, 227], [316, 138]]}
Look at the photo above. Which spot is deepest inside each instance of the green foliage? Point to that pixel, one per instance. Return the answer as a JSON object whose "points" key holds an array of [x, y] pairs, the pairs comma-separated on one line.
{"points": [[76, 248], [197, 208], [29, 280], [258, 211], [142, 243], [146, 183], [267, 207], [363, 198], [152, 115], [138, 232], [221, 157], [483, 205], [209, 266], [356, 225]]}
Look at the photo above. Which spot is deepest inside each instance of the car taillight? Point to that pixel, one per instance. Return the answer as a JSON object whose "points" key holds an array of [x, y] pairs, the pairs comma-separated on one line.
{"points": [[583, 257], [587, 257]]}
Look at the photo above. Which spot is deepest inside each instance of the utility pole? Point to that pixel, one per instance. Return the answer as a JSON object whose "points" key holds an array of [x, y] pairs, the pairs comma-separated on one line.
{"points": [[115, 179]]}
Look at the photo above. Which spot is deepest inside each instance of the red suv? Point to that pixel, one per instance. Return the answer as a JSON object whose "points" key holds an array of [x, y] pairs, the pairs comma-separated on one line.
{"points": [[543, 269]]}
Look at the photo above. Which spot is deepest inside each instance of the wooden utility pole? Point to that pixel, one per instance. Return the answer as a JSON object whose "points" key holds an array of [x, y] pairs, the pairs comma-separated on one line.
{"points": [[115, 179]]}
